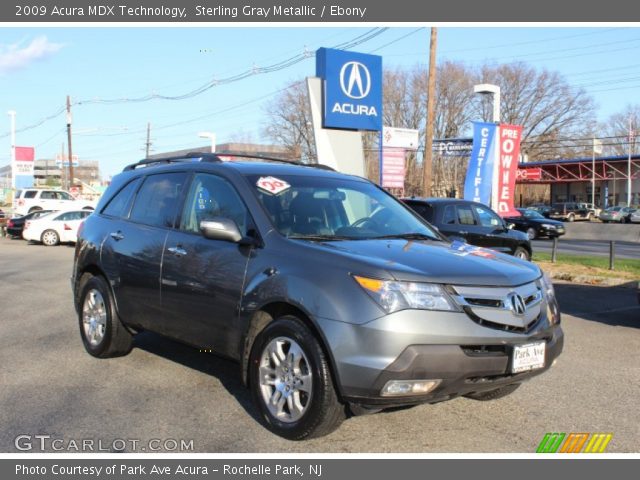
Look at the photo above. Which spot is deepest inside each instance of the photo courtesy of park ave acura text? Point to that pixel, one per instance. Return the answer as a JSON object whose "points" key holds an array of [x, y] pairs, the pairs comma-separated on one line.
{"points": [[356, 238]]}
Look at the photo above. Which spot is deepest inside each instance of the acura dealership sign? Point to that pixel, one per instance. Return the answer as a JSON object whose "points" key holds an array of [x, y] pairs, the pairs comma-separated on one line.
{"points": [[352, 89]]}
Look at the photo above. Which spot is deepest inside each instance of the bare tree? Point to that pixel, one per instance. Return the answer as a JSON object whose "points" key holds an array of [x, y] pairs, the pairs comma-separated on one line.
{"points": [[549, 109], [289, 121], [617, 129]]}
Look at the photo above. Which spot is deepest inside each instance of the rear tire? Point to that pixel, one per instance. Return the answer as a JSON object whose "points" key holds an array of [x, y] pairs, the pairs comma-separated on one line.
{"points": [[571, 218], [493, 394], [103, 334], [522, 253], [291, 382], [50, 238]]}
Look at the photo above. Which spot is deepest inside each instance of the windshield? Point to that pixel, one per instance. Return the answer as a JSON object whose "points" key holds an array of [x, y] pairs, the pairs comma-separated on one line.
{"points": [[335, 209], [530, 214]]}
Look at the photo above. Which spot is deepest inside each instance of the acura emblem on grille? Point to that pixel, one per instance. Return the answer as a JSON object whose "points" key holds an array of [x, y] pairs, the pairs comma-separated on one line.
{"points": [[516, 304]]}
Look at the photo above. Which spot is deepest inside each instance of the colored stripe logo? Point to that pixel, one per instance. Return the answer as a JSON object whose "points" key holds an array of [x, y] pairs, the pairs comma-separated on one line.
{"points": [[574, 443]]}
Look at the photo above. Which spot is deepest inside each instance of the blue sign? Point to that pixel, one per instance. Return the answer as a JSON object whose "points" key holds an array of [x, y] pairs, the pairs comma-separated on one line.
{"points": [[352, 89], [477, 185]]}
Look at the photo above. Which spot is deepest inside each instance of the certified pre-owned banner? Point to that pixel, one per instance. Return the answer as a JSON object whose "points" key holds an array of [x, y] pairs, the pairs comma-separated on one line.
{"points": [[477, 186], [508, 152]]}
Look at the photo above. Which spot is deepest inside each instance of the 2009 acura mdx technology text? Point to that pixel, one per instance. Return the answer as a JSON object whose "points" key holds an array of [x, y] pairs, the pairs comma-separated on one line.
{"points": [[332, 295]]}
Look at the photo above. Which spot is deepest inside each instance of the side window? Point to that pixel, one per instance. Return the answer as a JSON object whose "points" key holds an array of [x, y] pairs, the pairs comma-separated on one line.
{"points": [[48, 195], [68, 216], [30, 193], [157, 201], [64, 196], [120, 204], [487, 217], [449, 215], [212, 196], [465, 215]]}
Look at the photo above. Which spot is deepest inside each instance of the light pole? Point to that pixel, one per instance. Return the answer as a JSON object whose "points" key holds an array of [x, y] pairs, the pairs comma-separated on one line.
{"points": [[494, 90], [211, 136], [12, 115]]}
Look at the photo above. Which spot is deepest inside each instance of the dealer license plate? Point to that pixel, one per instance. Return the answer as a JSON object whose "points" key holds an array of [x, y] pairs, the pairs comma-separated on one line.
{"points": [[528, 357]]}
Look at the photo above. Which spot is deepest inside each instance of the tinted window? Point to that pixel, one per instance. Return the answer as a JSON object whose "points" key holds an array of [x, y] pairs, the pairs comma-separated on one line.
{"points": [[30, 194], [465, 215], [487, 217], [120, 204], [157, 200], [449, 215], [48, 195], [211, 196], [64, 196], [423, 209]]}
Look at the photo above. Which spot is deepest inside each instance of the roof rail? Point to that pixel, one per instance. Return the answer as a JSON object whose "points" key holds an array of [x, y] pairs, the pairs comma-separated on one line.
{"points": [[215, 158], [189, 157]]}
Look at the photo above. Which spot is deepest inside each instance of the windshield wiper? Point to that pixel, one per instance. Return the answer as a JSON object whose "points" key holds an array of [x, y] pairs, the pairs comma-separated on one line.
{"points": [[409, 236]]}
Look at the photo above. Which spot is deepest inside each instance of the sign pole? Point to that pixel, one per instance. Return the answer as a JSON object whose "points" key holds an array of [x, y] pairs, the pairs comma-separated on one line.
{"points": [[593, 173]]}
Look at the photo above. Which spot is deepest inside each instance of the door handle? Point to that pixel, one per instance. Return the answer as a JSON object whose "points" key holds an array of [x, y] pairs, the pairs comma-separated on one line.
{"points": [[462, 232], [117, 236], [177, 251]]}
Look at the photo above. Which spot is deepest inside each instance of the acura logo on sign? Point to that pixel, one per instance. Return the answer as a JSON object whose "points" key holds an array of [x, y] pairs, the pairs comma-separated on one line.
{"points": [[516, 304], [355, 80]]}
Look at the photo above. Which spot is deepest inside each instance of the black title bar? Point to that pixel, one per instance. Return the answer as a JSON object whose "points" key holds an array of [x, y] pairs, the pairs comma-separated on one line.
{"points": [[325, 11]]}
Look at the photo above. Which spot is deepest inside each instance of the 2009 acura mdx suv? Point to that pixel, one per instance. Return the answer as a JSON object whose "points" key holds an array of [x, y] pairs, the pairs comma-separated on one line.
{"points": [[334, 297]]}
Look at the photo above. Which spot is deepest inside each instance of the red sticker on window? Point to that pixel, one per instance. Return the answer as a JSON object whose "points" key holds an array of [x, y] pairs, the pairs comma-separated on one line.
{"points": [[272, 185]]}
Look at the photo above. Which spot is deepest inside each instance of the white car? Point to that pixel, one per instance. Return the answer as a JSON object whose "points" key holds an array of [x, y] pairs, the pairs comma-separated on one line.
{"points": [[29, 199], [56, 227], [635, 218]]}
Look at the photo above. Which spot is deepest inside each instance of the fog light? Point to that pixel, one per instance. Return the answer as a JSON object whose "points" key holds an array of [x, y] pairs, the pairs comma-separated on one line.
{"points": [[408, 387]]}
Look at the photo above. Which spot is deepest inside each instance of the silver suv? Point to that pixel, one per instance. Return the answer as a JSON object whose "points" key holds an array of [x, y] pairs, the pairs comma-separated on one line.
{"points": [[334, 297]]}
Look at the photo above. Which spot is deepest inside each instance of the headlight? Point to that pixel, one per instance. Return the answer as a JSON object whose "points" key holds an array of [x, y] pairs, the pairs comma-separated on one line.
{"points": [[547, 286], [393, 296], [549, 226]]}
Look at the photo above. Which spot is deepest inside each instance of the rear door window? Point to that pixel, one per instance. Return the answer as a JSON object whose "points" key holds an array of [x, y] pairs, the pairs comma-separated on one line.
{"points": [[120, 204], [487, 217], [449, 215], [30, 193], [423, 209], [465, 215], [157, 201]]}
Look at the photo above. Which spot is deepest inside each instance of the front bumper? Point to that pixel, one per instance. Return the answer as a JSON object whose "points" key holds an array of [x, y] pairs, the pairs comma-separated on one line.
{"points": [[421, 345], [551, 232]]}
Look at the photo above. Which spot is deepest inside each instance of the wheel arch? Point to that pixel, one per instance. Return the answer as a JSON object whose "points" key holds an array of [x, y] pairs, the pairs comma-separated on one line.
{"points": [[267, 314]]}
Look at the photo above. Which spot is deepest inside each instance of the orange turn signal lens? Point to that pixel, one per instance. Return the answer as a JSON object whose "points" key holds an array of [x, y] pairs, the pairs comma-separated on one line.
{"points": [[371, 284]]}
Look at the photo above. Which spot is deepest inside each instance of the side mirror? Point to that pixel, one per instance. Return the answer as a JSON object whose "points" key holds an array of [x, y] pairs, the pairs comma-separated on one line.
{"points": [[220, 228], [509, 225]]}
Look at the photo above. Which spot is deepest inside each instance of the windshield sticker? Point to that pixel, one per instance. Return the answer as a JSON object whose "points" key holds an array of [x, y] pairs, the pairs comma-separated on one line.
{"points": [[272, 185]]}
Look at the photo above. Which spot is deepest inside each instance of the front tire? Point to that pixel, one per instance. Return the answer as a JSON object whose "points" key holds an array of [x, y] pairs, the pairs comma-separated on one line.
{"points": [[571, 218], [103, 334], [531, 233], [291, 382], [50, 238], [522, 253]]}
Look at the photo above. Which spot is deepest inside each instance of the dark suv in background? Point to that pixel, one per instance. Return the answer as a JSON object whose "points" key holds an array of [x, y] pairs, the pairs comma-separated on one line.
{"points": [[571, 211], [332, 295], [473, 223]]}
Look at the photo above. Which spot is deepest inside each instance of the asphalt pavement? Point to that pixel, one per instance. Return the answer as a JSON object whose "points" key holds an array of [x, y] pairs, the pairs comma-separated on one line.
{"points": [[627, 250], [164, 390]]}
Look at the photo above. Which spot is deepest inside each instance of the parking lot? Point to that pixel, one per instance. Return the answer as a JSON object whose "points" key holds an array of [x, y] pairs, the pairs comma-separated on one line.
{"points": [[164, 390]]}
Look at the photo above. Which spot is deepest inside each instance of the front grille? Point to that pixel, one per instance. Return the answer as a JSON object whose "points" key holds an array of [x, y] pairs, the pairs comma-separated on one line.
{"points": [[484, 350], [501, 326]]}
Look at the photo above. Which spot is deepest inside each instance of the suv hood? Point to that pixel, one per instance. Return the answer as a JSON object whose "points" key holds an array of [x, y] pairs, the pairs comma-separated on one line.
{"points": [[454, 263]]}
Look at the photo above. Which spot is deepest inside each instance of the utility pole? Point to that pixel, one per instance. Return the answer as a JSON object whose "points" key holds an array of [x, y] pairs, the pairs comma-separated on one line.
{"points": [[431, 94], [631, 141], [148, 142], [69, 142], [12, 114]]}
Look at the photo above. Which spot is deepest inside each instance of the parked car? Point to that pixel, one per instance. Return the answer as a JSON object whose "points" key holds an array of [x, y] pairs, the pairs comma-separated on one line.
{"points": [[593, 209], [616, 214], [55, 228], [634, 217], [329, 292], [535, 225], [570, 211], [16, 225], [31, 199], [542, 209], [473, 223]]}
